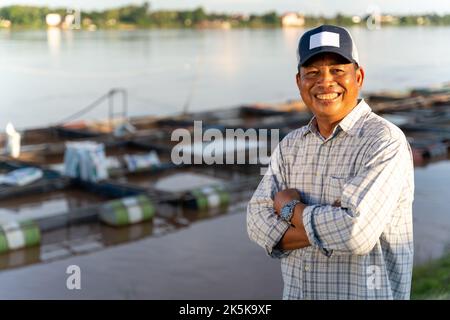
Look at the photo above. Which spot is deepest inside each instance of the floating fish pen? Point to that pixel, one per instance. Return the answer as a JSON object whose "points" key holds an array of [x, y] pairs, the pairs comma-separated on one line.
{"points": [[82, 217], [12, 185], [160, 198], [119, 154], [185, 183], [428, 151], [76, 239], [73, 218], [89, 237], [252, 117], [56, 134], [411, 100], [424, 116]]}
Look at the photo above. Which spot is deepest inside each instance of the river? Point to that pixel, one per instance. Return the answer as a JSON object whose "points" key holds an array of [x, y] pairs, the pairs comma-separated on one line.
{"points": [[48, 75]]}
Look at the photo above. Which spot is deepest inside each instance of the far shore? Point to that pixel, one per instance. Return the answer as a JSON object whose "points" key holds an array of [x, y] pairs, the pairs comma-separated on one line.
{"points": [[140, 28]]}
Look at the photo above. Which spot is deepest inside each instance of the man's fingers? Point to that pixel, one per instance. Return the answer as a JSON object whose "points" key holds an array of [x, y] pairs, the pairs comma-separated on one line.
{"points": [[337, 203]]}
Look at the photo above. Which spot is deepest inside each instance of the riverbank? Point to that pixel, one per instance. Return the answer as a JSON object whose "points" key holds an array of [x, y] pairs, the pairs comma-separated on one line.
{"points": [[211, 25], [432, 280]]}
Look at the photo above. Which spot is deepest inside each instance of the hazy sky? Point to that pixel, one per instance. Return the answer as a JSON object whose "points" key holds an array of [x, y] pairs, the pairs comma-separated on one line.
{"points": [[326, 7]]}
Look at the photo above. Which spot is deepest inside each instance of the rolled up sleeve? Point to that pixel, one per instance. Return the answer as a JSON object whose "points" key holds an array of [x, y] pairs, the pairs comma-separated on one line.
{"points": [[264, 226]]}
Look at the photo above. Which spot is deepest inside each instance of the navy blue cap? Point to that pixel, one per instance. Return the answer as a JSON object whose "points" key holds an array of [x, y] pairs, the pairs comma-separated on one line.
{"points": [[327, 38]]}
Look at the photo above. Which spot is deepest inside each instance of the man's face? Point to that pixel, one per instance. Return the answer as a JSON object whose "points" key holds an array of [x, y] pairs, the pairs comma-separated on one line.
{"points": [[329, 86]]}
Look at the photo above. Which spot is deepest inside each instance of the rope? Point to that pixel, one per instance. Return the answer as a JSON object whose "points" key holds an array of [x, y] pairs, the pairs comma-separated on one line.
{"points": [[85, 109]]}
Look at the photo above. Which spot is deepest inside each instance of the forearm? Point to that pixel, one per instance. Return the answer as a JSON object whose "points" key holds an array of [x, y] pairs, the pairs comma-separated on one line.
{"points": [[293, 239], [264, 227]]}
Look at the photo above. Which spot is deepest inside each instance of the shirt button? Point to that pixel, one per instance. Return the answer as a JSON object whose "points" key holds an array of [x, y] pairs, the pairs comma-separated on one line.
{"points": [[307, 268]]}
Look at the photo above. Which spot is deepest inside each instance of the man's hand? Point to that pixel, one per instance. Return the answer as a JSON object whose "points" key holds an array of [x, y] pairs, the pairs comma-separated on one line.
{"points": [[337, 203], [295, 237], [283, 197]]}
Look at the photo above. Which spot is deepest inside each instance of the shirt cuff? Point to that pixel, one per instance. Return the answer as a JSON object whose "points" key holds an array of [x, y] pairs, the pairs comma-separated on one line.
{"points": [[274, 236], [308, 223]]}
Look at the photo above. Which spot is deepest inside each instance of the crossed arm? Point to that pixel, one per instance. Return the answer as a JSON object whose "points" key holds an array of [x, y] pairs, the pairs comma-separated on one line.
{"points": [[351, 227], [295, 236]]}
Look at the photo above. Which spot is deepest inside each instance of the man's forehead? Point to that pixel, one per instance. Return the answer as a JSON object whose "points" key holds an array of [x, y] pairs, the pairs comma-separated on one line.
{"points": [[326, 58]]}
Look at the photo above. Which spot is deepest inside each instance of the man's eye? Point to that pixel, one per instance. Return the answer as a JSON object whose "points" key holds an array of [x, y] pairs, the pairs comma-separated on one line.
{"points": [[338, 70], [311, 73]]}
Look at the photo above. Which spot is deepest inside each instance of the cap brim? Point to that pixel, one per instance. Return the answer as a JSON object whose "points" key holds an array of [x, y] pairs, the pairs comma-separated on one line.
{"points": [[335, 50]]}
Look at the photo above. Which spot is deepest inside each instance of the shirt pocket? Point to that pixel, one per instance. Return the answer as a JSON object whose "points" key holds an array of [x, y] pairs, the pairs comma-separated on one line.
{"points": [[334, 186]]}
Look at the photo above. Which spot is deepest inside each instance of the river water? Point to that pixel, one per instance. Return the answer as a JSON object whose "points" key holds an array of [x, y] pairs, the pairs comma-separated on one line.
{"points": [[48, 75]]}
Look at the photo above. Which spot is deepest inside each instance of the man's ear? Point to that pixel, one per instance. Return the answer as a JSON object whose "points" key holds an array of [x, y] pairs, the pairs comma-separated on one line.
{"points": [[298, 79], [360, 76]]}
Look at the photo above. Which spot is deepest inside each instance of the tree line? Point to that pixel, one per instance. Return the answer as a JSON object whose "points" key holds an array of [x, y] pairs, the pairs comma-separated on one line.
{"points": [[142, 16]]}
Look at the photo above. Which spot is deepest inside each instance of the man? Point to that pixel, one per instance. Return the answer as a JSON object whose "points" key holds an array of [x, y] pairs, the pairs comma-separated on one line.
{"points": [[336, 202]]}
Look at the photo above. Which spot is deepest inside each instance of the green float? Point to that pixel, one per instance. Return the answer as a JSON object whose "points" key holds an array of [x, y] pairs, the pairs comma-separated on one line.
{"points": [[18, 235], [127, 211], [210, 197]]}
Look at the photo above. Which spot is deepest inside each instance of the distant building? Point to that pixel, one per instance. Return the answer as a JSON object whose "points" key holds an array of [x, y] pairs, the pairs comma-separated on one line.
{"points": [[53, 20], [292, 19], [240, 17], [421, 20], [388, 19], [215, 24], [111, 22], [5, 23], [356, 19], [68, 20]]}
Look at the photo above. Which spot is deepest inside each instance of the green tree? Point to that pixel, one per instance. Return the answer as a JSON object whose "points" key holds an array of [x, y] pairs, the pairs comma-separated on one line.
{"points": [[271, 18], [198, 15]]}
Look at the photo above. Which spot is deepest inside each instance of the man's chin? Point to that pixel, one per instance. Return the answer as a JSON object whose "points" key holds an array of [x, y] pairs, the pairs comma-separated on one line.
{"points": [[328, 107], [327, 103]]}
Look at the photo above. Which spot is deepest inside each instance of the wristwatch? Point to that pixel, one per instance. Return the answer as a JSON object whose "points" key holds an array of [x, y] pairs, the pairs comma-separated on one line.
{"points": [[288, 210]]}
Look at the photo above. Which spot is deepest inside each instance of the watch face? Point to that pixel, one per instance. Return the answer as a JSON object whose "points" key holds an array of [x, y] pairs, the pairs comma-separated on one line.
{"points": [[286, 212]]}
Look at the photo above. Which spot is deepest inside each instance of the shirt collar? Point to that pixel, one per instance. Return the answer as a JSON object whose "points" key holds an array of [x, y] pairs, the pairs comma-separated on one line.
{"points": [[350, 124]]}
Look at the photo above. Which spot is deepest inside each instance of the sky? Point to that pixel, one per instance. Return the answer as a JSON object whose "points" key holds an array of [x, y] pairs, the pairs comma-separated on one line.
{"points": [[316, 7]]}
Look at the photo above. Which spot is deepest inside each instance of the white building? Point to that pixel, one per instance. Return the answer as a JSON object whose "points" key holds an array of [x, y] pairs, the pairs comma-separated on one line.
{"points": [[292, 19], [53, 20], [356, 19], [5, 23]]}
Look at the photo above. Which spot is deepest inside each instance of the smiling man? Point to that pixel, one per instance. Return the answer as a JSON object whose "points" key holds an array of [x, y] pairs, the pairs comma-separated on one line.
{"points": [[336, 202]]}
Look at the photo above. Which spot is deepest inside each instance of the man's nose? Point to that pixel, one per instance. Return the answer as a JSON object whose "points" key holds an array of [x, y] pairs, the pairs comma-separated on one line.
{"points": [[326, 78]]}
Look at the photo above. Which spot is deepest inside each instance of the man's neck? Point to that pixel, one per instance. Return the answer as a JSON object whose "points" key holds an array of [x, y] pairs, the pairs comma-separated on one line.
{"points": [[326, 125]]}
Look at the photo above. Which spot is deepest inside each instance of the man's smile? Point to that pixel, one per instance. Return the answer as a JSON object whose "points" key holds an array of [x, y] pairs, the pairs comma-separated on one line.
{"points": [[328, 96]]}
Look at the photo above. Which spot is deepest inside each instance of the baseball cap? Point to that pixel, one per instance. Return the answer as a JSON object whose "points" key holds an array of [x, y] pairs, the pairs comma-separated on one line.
{"points": [[327, 38]]}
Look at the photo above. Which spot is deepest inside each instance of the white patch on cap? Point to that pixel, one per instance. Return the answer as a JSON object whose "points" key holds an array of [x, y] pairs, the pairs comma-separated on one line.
{"points": [[324, 38]]}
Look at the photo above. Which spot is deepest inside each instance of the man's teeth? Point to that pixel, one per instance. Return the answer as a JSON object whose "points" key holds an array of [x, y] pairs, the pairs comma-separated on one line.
{"points": [[328, 96]]}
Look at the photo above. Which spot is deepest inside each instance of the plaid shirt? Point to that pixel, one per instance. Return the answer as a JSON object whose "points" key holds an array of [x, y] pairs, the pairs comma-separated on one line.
{"points": [[362, 249]]}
